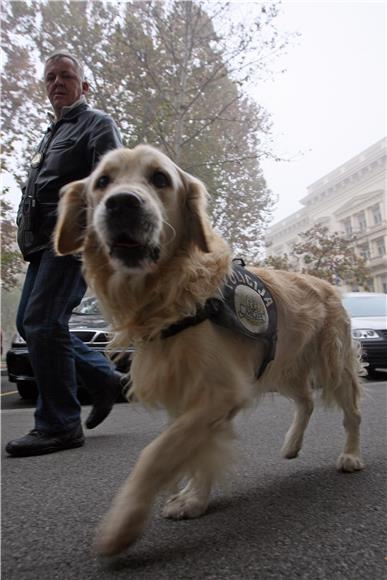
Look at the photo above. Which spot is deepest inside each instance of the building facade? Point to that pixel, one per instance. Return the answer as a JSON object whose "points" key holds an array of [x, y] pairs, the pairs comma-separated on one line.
{"points": [[351, 199]]}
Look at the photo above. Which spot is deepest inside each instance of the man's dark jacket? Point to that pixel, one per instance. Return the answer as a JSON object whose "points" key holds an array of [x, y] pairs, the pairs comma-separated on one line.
{"points": [[69, 151]]}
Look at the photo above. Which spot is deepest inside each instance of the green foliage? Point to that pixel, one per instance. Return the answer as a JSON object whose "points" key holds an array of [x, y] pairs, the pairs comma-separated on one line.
{"points": [[331, 256], [171, 74], [279, 263]]}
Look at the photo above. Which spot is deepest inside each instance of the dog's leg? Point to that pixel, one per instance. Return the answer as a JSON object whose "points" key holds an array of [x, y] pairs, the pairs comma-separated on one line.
{"points": [[347, 398], [293, 439], [159, 465]]}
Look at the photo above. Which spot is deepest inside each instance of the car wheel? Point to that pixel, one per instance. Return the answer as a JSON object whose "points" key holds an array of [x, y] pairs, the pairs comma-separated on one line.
{"points": [[27, 389]]}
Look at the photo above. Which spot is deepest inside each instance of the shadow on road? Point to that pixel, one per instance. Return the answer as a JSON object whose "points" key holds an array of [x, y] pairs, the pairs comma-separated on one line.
{"points": [[301, 508]]}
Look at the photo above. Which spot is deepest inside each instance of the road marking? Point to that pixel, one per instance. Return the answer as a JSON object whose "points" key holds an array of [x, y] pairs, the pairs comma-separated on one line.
{"points": [[8, 393]]}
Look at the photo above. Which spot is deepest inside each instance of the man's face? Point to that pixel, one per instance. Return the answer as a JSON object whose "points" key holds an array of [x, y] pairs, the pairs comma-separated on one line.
{"points": [[63, 83]]}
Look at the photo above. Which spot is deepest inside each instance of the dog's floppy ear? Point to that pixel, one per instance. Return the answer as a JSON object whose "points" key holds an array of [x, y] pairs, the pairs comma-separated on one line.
{"points": [[70, 227], [195, 216]]}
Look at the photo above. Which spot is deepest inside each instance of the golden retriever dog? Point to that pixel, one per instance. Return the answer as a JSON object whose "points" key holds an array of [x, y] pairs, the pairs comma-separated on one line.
{"points": [[153, 260]]}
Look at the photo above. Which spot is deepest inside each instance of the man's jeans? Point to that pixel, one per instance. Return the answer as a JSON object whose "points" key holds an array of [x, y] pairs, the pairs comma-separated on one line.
{"points": [[53, 287]]}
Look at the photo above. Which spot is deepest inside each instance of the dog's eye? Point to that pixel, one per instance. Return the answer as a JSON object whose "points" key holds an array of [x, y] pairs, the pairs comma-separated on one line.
{"points": [[103, 182], [160, 180]]}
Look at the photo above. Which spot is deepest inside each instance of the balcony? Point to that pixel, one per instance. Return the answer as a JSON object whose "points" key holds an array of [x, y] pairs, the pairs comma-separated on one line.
{"points": [[377, 261]]}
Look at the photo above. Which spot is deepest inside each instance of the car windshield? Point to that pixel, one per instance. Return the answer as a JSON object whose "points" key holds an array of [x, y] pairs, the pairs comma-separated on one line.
{"points": [[358, 306], [87, 306]]}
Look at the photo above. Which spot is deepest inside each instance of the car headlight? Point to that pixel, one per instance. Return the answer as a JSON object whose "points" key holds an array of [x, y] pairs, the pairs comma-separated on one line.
{"points": [[366, 334]]}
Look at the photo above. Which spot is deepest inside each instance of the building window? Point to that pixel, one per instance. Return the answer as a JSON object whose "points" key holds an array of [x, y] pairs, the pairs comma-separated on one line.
{"points": [[347, 226], [364, 251], [384, 284], [370, 287], [361, 221], [376, 214], [380, 247]]}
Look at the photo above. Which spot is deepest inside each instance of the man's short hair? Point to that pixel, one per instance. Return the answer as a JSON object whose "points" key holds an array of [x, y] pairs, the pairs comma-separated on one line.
{"points": [[58, 54]]}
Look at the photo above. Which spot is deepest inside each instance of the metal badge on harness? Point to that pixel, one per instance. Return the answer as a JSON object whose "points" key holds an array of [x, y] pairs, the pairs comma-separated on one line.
{"points": [[246, 305]]}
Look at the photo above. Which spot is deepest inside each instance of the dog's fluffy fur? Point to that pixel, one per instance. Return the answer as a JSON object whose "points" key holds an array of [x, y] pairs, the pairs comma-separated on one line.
{"points": [[152, 258]]}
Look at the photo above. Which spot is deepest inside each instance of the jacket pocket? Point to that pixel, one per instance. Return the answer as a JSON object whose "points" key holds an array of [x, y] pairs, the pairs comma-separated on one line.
{"points": [[63, 144]]}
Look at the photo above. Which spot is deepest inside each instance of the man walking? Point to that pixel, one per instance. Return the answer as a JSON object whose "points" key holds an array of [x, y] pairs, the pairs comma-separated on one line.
{"points": [[54, 286]]}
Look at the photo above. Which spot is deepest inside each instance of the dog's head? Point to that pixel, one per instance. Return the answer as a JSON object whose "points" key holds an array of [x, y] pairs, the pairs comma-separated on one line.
{"points": [[137, 206]]}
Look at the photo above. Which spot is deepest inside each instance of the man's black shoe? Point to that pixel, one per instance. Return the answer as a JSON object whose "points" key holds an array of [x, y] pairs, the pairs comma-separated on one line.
{"points": [[104, 401], [38, 443]]}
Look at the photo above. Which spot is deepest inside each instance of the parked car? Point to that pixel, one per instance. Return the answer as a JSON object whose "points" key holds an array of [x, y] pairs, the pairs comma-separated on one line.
{"points": [[89, 325], [368, 312]]}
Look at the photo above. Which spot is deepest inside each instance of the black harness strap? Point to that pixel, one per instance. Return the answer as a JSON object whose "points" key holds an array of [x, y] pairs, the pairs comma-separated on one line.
{"points": [[200, 316], [245, 306]]}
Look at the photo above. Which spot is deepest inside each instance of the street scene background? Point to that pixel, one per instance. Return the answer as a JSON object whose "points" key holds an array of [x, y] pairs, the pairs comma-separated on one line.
{"points": [[259, 100]]}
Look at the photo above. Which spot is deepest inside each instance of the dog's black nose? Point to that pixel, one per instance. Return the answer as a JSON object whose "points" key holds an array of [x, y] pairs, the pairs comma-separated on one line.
{"points": [[123, 201]]}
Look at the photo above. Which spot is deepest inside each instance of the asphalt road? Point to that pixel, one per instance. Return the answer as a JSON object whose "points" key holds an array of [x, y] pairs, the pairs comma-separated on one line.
{"points": [[275, 519]]}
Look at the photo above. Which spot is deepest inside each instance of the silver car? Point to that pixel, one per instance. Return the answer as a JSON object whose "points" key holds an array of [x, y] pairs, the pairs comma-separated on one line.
{"points": [[368, 312]]}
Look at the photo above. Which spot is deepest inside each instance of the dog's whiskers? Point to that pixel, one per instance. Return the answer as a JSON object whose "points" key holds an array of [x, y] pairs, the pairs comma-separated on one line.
{"points": [[173, 231]]}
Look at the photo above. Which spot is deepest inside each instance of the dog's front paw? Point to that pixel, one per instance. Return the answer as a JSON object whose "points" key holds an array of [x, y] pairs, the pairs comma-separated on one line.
{"points": [[118, 531], [290, 451], [183, 506], [349, 463]]}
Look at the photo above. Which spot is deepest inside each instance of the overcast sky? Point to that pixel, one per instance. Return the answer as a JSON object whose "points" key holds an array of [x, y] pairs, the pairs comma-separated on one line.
{"points": [[331, 103]]}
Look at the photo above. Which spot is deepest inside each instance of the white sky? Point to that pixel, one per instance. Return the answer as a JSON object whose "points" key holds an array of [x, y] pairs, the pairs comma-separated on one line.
{"points": [[331, 103]]}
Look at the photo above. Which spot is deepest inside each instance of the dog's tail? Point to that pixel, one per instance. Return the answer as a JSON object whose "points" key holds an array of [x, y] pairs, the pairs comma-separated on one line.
{"points": [[340, 366]]}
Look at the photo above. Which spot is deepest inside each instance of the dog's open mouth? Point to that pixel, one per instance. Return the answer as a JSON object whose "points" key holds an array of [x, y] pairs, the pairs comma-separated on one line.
{"points": [[125, 241], [133, 253]]}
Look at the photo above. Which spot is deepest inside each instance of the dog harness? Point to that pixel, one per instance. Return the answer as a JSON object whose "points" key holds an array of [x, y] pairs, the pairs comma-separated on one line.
{"points": [[244, 306]]}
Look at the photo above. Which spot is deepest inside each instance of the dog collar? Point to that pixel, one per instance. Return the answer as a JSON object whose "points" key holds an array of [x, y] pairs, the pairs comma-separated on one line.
{"points": [[245, 306]]}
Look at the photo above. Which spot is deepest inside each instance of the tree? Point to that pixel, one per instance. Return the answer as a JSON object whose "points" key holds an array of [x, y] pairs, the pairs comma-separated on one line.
{"points": [[11, 262], [332, 257], [279, 263], [172, 74]]}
